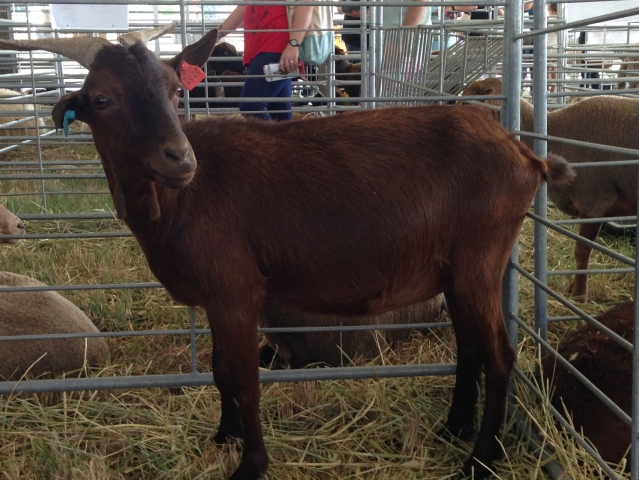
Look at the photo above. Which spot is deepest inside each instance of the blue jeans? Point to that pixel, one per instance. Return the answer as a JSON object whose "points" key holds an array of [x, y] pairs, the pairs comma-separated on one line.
{"points": [[258, 87]]}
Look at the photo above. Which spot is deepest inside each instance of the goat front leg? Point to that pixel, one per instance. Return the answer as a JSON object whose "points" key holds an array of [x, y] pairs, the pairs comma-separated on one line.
{"points": [[236, 374], [579, 286]]}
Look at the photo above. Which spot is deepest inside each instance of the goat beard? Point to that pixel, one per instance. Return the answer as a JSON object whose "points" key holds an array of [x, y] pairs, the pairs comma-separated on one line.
{"points": [[154, 204], [119, 201]]}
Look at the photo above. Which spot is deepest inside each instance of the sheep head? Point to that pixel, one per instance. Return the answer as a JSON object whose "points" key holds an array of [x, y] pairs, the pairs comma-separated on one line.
{"points": [[129, 100], [487, 86], [10, 225]]}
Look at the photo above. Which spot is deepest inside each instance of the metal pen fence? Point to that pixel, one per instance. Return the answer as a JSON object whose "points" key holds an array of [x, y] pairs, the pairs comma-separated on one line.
{"points": [[408, 73], [55, 75]]}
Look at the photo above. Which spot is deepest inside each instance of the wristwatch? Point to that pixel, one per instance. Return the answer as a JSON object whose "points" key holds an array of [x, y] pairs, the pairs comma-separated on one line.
{"points": [[294, 43]]}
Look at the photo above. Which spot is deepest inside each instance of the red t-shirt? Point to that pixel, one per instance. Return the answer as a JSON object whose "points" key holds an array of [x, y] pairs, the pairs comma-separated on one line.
{"points": [[257, 17]]}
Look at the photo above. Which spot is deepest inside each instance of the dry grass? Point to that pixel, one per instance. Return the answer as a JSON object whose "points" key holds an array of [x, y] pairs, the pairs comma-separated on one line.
{"points": [[372, 429]]}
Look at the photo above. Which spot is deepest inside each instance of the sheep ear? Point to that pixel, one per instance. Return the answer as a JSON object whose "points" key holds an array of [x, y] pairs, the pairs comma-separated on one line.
{"points": [[197, 53], [73, 101], [488, 91], [118, 200], [154, 205]]}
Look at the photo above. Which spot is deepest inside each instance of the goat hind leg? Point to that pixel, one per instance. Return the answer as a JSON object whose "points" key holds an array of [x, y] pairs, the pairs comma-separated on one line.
{"points": [[498, 363], [461, 415], [482, 339]]}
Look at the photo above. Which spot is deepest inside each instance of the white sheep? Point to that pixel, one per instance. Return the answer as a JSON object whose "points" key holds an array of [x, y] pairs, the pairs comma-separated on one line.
{"points": [[10, 225], [41, 313], [23, 128], [595, 192], [44, 313]]}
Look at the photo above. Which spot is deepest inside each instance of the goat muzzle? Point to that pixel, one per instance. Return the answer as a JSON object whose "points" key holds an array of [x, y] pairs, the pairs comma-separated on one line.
{"points": [[175, 166]]}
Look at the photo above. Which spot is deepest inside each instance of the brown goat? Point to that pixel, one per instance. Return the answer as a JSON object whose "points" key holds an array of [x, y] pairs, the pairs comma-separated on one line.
{"points": [[609, 366], [411, 203]]}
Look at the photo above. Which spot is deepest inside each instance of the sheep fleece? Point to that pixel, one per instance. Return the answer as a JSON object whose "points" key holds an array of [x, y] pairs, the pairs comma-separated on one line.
{"points": [[30, 313]]}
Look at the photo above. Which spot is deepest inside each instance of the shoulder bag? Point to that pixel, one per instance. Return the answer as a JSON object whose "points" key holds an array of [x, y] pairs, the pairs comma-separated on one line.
{"points": [[320, 38]]}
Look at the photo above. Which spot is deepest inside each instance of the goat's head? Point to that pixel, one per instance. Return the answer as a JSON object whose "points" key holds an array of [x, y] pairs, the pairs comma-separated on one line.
{"points": [[130, 100], [10, 225]]}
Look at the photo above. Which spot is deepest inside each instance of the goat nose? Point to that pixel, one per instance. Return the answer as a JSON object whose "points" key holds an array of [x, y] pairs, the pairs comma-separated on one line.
{"points": [[176, 154], [20, 226]]}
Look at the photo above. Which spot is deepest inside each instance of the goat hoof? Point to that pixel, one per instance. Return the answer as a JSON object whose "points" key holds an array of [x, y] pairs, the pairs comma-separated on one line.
{"points": [[222, 438], [239, 475], [578, 293], [450, 433], [474, 470], [244, 472]]}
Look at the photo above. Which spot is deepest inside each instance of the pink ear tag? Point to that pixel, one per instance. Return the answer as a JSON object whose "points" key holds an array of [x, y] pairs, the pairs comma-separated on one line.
{"points": [[190, 75]]}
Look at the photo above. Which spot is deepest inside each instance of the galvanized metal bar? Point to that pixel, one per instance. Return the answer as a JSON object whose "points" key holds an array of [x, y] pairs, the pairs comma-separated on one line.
{"points": [[634, 440], [536, 446], [602, 328], [574, 236], [592, 146], [57, 236], [207, 331], [575, 221], [594, 271], [540, 86], [45, 176], [69, 216], [582, 23], [511, 87], [37, 127], [577, 374], [60, 288], [206, 379], [569, 428]]}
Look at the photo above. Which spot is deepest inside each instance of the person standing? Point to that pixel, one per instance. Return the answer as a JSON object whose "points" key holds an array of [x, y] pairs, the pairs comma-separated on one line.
{"points": [[267, 41], [352, 41], [410, 14]]}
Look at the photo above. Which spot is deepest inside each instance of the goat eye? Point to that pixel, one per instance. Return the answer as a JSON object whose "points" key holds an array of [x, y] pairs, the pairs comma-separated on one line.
{"points": [[178, 92], [100, 102]]}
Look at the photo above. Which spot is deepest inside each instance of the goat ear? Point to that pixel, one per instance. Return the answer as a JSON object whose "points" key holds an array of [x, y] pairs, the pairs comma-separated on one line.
{"points": [[197, 53], [72, 101]]}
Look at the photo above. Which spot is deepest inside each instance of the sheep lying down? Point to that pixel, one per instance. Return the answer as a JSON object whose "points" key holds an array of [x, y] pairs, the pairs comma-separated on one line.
{"points": [[41, 313], [609, 366], [337, 348], [10, 225]]}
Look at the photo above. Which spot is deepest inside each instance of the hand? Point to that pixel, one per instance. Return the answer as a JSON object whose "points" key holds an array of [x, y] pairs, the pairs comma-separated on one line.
{"points": [[289, 59]]}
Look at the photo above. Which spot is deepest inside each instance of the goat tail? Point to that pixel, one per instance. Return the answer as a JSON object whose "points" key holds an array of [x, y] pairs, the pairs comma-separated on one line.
{"points": [[559, 173]]}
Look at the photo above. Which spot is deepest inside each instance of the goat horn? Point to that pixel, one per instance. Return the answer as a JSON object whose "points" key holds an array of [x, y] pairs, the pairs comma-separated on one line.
{"points": [[81, 49], [144, 36]]}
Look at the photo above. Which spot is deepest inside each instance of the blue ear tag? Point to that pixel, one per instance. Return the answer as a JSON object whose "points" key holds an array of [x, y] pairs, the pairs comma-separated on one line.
{"points": [[68, 115]]}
